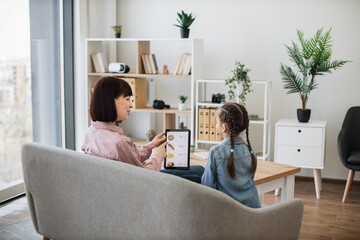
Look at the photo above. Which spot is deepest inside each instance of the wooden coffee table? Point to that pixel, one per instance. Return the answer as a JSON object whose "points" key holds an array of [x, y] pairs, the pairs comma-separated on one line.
{"points": [[269, 176]]}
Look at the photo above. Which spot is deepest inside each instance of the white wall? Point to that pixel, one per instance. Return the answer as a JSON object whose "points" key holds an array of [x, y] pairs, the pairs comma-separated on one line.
{"points": [[92, 19], [254, 32]]}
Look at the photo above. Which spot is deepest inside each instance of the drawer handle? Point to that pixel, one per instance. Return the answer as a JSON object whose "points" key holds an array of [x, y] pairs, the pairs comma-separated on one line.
{"points": [[298, 150], [299, 131]]}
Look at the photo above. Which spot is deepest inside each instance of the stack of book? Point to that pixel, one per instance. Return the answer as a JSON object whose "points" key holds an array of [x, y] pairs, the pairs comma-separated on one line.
{"points": [[100, 63], [149, 63], [183, 65], [207, 125]]}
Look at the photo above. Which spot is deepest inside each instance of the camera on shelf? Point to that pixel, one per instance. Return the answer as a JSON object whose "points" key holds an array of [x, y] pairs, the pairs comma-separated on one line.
{"points": [[118, 67], [218, 98], [159, 104]]}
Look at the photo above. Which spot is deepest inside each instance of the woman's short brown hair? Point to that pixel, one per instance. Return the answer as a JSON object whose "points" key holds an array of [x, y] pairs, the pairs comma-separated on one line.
{"points": [[102, 104]]}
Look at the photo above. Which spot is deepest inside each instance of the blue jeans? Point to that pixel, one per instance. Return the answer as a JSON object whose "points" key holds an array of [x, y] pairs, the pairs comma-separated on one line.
{"points": [[194, 173]]}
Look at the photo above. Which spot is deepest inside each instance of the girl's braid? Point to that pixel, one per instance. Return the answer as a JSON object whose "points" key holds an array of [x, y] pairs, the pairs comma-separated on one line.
{"points": [[231, 124], [246, 120]]}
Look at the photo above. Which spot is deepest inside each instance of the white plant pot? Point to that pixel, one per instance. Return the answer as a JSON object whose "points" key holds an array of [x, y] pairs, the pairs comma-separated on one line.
{"points": [[182, 106]]}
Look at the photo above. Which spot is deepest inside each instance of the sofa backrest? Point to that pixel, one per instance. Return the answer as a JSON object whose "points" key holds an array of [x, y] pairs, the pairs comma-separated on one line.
{"points": [[72, 195]]}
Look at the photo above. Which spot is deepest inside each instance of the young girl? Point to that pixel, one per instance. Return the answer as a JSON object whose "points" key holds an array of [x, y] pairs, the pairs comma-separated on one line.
{"points": [[231, 165]]}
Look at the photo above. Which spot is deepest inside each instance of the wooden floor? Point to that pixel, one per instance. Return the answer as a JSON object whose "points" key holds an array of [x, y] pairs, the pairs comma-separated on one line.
{"points": [[326, 218]]}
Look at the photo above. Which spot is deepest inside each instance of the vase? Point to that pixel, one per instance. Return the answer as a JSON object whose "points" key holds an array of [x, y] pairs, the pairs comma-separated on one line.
{"points": [[303, 115], [184, 32], [117, 35], [182, 106]]}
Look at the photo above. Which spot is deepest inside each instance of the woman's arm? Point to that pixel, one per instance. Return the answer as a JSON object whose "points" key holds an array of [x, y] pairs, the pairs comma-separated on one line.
{"points": [[145, 150], [128, 152]]}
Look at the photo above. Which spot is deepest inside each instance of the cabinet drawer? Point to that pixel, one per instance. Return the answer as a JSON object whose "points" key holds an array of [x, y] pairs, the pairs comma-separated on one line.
{"points": [[300, 136], [300, 156]]}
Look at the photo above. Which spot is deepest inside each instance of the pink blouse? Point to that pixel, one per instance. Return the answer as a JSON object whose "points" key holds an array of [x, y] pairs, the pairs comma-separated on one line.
{"points": [[108, 141]]}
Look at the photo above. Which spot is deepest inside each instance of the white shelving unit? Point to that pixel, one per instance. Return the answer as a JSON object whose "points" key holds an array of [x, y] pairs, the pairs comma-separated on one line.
{"points": [[265, 121], [129, 51]]}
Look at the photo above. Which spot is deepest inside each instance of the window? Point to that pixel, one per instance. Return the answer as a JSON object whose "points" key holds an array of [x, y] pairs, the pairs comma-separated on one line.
{"points": [[36, 75], [15, 93]]}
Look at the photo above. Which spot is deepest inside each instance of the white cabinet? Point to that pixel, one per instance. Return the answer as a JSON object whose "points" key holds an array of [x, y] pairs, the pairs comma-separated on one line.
{"points": [[202, 101], [167, 51], [301, 145]]}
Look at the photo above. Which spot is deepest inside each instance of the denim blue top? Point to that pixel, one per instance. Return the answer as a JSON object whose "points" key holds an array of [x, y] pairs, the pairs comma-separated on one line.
{"points": [[216, 173]]}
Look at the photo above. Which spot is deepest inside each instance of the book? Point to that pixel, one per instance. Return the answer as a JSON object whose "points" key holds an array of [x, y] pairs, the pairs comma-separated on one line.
{"points": [[95, 63], [147, 61], [177, 66], [201, 124], [181, 66], [143, 58], [207, 124], [187, 65], [212, 124], [100, 61], [152, 64], [203, 155], [105, 62], [155, 62]]}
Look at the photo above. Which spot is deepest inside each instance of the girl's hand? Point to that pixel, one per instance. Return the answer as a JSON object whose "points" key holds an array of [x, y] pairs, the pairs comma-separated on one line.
{"points": [[159, 139], [160, 150]]}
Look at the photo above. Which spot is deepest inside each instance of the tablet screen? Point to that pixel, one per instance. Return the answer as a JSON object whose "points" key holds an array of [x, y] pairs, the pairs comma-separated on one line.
{"points": [[177, 149]]}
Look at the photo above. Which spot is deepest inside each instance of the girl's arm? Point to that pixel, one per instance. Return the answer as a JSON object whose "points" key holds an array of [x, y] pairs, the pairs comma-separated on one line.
{"points": [[210, 174]]}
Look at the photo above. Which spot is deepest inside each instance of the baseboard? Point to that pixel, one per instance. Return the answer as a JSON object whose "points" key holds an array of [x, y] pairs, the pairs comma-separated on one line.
{"points": [[327, 180]]}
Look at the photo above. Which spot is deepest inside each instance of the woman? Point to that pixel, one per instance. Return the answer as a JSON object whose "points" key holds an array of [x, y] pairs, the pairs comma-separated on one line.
{"points": [[110, 103]]}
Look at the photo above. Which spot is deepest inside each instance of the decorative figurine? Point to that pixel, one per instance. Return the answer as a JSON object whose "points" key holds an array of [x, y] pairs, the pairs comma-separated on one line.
{"points": [[150, 135], [165, 69]]}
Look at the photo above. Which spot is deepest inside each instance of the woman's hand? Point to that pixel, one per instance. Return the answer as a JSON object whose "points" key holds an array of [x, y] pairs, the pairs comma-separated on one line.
{"points": [[160, 150], [159, 139]]}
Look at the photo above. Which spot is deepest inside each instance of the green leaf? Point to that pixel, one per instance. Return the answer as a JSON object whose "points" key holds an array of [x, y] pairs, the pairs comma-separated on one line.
{"points": [[311, 59]]}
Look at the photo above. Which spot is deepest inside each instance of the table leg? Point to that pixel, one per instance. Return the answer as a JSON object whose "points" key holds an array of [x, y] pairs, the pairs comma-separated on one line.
{"points": [[277, 191], [287, 192], [318, 184]]}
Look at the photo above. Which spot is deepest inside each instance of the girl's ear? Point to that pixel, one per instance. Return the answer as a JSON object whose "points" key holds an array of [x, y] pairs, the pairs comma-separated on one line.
{"points": [[224, 127]]}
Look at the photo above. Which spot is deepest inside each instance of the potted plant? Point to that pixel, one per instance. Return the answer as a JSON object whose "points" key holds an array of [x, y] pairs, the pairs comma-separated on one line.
{"points": [[311, 59], [117, 29], [184, 20], [182, 105], [240, 77]]}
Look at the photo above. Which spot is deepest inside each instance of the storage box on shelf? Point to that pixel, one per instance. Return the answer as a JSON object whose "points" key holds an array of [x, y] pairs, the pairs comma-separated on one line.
{"points": [[301, 145], [206, 133], [137, 75]]}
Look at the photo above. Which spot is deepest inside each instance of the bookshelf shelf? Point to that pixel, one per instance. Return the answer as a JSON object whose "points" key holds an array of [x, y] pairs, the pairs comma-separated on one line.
{"points": [[131, 51], [137, 75], [265, 122], [165, 110]]}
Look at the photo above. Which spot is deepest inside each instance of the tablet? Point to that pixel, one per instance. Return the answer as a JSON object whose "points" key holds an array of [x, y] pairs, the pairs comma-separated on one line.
{"points": [[177, 149]]}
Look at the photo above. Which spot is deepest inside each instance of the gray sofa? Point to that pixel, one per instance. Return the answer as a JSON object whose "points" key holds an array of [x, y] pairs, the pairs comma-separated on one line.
{"points": [[72, 195]]}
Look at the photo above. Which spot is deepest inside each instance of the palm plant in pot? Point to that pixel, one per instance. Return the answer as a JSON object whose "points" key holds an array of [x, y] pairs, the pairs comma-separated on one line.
{"points": [[185, 20], [311, 59]]}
